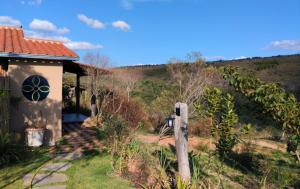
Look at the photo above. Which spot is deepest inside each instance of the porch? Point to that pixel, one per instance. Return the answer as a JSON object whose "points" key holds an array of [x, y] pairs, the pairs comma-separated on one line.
{"points": [[75, 72], [73, 118]]}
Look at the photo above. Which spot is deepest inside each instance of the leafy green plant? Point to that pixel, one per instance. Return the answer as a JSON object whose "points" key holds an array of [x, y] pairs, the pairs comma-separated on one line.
{"points": [[283, 106], [220, 107], [3, 93], [9, 151]]}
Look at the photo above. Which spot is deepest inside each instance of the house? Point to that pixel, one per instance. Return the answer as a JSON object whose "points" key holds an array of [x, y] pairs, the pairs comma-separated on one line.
{"points": [[35, 70]]}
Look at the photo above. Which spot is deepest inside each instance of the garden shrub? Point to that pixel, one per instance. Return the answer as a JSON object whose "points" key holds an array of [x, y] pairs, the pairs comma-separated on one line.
{"points": [[130, 111], [9, 151], [220, 108]]}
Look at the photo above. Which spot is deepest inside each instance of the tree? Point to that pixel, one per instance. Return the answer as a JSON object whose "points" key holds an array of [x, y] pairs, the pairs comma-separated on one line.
{"points": [[127, 80], [220, 108], [97, 64], [192, 75], [282, 106]]}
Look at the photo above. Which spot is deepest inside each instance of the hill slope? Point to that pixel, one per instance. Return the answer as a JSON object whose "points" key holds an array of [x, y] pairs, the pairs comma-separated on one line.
{"points": [[280, 69]]}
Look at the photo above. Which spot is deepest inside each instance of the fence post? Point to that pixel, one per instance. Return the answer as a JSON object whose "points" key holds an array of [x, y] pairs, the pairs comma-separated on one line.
{"points": [[181, 140]]}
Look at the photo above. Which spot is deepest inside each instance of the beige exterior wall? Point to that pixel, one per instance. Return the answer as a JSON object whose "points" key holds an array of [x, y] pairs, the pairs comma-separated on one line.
{"points": [[26, 111]]}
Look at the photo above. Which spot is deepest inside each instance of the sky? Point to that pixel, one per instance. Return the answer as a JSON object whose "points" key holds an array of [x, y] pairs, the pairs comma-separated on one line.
{"points": [[134, 32]]}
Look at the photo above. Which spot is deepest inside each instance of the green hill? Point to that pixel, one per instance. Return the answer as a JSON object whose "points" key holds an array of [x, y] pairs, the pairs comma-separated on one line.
{"points": [[280, 69]]}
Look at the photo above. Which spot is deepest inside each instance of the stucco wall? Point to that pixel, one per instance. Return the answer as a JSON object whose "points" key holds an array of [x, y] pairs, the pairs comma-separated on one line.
{"points": [[26, 111]]}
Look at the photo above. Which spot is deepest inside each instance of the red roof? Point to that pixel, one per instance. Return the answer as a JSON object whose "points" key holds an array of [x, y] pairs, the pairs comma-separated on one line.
{"points": [[14, 44]]}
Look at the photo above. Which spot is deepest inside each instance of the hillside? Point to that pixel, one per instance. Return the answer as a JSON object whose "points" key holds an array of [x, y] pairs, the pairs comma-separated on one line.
{"points": [[148, 92], [280, 69]]}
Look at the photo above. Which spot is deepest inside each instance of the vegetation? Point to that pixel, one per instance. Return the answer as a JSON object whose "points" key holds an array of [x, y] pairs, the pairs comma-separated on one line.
{"points": [[94, 171], [221, 109], [219, 112], [10, 151], [11, 175], [265, 65], [283, 106]]}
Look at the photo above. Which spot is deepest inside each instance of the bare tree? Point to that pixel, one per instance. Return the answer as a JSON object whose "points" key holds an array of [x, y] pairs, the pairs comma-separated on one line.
{"points": [[127, 80], [97, 66], [192, 76]]}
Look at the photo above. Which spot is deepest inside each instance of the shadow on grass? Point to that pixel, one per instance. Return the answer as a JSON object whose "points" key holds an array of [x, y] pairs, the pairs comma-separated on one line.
{"points": [[247, 163], [32, 159], [276, 171]]}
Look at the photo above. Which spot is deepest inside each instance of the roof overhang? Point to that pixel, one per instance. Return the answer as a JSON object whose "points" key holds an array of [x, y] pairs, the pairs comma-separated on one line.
{"points": [[35, 56], [81, 69]]}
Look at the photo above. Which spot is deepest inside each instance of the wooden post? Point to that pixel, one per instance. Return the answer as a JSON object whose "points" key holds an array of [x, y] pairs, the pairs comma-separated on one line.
{"points": [[181, 140], [77, 91]]}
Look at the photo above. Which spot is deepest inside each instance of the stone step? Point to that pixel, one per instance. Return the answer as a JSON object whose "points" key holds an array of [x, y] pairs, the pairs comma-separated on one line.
{"points": [[44, 178], [56, 167], [52, 187], [68, 156]]}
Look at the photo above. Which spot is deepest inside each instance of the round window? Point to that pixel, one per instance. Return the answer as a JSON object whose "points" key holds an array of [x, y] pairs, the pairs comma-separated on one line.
{"points": [[35, 88]]}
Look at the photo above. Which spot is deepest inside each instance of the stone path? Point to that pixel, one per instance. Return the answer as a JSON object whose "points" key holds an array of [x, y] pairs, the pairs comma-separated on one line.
{"points": [[52, 175]]}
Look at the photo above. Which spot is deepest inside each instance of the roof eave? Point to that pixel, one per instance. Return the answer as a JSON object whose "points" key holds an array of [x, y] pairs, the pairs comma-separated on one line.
{"points": [[36, 56]]}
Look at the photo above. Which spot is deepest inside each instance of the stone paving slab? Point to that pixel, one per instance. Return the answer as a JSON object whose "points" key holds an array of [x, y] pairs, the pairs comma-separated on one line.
{"points": [[68, 156], [56, 167], [43, 178], [52, 187]]}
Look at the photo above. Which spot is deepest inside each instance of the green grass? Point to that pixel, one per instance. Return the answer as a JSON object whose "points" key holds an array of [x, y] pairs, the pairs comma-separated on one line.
{"points": [[92, 171], [11, 176], [95, 171]]}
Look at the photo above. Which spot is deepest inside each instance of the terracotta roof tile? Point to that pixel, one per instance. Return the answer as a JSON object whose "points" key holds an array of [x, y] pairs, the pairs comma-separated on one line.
{"points": [[2, 42], [12, 40]]}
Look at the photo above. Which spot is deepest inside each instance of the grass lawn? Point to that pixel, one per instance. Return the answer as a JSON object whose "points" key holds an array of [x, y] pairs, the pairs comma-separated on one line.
{"points": [[11, 176], [93, 170]]}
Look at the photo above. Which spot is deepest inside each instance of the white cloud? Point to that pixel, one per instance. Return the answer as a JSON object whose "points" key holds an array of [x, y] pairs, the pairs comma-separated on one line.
{"points": [[129, 4], [47, 26], [122, 25], [218, 57], [240, 57], [74, 45], [293, 45], [9, 21], [82, 45], [94, 23], [32, 2]]}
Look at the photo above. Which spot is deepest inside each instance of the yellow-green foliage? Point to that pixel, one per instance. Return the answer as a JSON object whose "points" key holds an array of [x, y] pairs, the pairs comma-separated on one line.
{"points": [[283, 106]]}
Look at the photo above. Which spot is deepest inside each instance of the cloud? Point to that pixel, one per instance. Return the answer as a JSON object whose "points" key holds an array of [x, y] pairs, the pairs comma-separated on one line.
{"points": [[9, 21], [293, 45], [32, 2], [122, 25], [82, 45], [240, 57], [129, 4], [47, 26], [93, 23], [74, 45], [218, 57]]}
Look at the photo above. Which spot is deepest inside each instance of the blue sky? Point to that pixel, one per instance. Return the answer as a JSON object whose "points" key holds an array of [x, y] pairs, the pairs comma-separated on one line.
{"points": [[134, 32]]}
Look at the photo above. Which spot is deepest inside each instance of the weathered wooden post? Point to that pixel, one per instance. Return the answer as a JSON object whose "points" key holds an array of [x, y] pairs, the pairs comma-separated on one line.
{"points": [[181, 140]]}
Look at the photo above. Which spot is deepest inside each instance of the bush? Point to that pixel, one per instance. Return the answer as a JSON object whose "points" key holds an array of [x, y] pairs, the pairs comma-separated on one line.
{"points": [[129, 110], [265, 64], [220, 107], [200, 127], [9, 151]]}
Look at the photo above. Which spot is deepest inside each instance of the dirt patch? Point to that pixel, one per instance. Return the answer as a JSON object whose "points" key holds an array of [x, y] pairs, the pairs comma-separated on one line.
{"points": [[200, 142]]}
